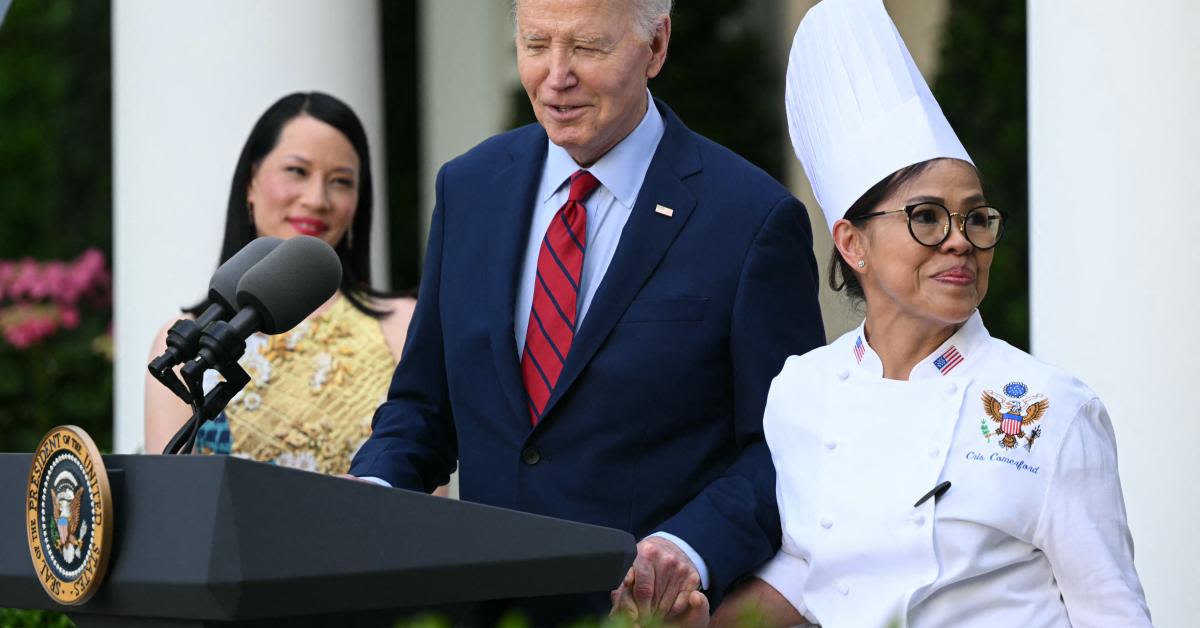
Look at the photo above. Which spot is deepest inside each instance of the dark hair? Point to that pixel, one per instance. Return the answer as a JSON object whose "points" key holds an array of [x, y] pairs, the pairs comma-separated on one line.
{"points": [[866, 204], [239, 225]]}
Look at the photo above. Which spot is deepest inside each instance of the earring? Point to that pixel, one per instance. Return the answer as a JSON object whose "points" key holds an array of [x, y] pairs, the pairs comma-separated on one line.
{"points": [[862, 264], [250, 212], [350, 238]]}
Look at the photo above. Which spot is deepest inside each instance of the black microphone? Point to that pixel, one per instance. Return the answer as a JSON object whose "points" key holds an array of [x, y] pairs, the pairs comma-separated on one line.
{"points": [[273, 297], [183, 339]]}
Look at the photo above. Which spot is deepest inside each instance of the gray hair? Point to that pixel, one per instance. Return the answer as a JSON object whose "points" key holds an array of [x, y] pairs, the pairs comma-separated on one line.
{"points": [[647, 17]]}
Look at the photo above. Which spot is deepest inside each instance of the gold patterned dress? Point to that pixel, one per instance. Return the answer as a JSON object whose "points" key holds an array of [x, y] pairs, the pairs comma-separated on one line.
{"points": [[311, 396]]}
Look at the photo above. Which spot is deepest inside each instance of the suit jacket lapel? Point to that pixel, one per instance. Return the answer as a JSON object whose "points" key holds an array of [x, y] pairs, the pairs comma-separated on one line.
{"points": [[644, 240], [513, 187]]}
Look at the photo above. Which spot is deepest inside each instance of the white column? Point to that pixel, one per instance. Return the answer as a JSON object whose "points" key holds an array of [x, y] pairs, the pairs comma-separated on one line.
{"points": [[468, 72], [189, 81], [1114, 152]]}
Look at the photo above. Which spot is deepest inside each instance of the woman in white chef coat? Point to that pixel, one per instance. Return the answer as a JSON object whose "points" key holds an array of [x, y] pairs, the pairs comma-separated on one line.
{"points": [[928, 474]]}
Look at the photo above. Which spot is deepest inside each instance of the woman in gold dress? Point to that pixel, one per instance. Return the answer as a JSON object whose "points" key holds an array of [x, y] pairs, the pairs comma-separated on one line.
{"points": [[304, 170]]}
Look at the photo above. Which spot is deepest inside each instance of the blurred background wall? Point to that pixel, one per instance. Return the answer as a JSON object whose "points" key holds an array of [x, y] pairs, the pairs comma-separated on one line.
{"points": [[120, 123]]}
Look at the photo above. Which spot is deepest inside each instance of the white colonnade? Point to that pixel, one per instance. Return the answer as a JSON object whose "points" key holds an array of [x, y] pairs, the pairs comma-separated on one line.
{"points": [[1114, 152], [189, 81]]}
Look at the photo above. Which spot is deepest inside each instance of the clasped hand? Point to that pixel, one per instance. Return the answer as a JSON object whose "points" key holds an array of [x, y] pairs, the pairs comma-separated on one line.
{"points": [[662, 586]]}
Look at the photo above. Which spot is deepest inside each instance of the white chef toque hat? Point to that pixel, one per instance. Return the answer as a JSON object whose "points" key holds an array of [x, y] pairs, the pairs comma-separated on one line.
{"points": [[857, 107]]}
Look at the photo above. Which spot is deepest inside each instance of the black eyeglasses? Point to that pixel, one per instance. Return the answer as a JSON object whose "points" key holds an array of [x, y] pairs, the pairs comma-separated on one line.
{"points": [[929, 224]]}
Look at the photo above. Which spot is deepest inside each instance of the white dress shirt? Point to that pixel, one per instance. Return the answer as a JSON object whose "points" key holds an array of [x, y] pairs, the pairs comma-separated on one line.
{"points": [[1032, 531]]}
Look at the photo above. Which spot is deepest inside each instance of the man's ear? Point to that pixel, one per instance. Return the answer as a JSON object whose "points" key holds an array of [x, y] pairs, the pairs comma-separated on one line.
{"points": [[658, 46]]}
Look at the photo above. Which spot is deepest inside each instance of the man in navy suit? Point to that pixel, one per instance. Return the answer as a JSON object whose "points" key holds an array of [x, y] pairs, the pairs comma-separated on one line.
{"points": [[605, 300]]}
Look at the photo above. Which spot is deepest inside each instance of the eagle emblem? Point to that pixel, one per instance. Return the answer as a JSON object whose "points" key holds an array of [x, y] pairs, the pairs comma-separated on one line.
{"points": [[1015, 411], [69, 526], [68, 515]]}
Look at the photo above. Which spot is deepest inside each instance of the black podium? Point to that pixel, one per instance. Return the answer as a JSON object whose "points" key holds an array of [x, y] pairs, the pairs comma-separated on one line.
{"points": [[221, 541]]}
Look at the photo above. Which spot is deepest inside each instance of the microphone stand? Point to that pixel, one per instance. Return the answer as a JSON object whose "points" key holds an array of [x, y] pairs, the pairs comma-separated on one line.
{"points": [[182, 339], [222, 346], [209, 407]]}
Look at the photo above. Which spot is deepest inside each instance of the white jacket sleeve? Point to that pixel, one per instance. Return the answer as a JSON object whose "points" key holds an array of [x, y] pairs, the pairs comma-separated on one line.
{"points": [[786, 574], [1083, 530]]}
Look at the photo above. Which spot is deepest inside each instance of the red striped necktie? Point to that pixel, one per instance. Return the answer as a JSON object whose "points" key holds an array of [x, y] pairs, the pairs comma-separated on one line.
{"points": [[553, 317]]}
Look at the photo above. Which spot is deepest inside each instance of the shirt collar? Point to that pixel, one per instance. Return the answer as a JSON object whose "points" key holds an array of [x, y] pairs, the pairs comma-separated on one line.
{"points": [[621, 170], [953, 356]]}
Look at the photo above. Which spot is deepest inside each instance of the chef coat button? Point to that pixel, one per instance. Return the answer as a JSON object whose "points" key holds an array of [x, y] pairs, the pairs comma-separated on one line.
{"points": [[842, 587], [531, 456], [827, 523], [831, 444], [919, 520], [934, 451], [951, 388], [843, 374]]}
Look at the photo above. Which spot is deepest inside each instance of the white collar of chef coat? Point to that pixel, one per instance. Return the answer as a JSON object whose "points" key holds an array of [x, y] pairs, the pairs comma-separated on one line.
{"points": [[621, 170], [955, 355]]}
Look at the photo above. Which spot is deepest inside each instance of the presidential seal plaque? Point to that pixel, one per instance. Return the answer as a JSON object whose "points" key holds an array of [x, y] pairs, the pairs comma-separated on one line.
{"points": [[68, 515]]}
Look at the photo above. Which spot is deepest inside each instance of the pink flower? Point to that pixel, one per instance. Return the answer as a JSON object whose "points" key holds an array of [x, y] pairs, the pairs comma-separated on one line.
{"points": [[36, 300], [69, 317], [51, 282], [25, 325], [25, 282], [55, 280]]}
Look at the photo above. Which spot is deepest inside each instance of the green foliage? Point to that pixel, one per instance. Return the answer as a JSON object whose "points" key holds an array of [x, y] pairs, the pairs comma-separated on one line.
{"points": [[13, 618], [61, 380], [513, 620], [55, 201], [516, 620], [721, 79], [750, 617], [425, 621], [724, 81], [56, 117], [981, 86]]}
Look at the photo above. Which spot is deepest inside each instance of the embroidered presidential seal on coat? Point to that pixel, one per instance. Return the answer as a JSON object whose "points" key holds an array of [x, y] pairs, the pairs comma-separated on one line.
{"points": [[1014, 412]]}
